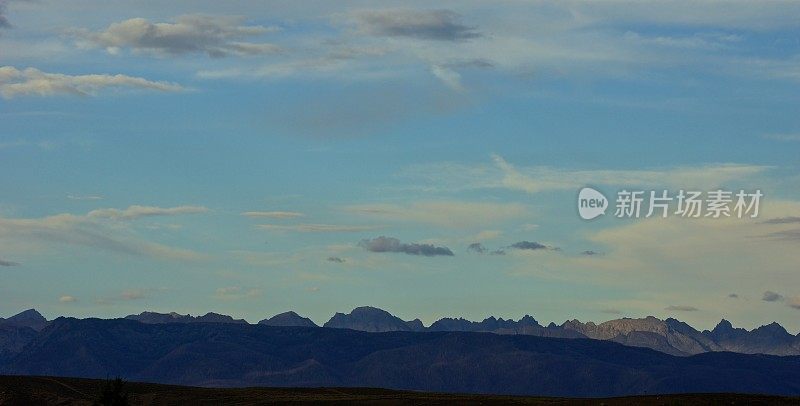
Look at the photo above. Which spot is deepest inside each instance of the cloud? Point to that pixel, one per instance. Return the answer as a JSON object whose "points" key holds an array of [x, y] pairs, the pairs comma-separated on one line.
{"points": [[216, 36], [480, 249], [782, 137], [129, 295], [785, 235], [3, 19], [446, 213], [591, 253], [503, 175], [236, 292], [449, 77], [440, 25], [681, 308], [273, 214], [337, 260], [85, 197], [770, 296], [794, 302], [783, 220], [529, 245], [388, 244], [33, 82], [67, 299], [132, 294], [3, 262], [43, 144], [317, 228], [4, 22], [611, 311], [733, 296], [83, 231], [134, 212]]}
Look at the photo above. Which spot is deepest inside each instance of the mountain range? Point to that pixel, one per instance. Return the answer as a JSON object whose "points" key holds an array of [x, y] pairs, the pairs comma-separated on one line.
{"points": [[245, 355], [669, 336]]}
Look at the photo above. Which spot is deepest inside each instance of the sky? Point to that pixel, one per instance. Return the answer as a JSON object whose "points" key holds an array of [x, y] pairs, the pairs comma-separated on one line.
{"points": [[252, 158]]}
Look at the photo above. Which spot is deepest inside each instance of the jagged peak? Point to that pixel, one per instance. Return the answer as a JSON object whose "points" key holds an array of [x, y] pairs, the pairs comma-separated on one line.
{"points": [[723, 325], [773, 328]]}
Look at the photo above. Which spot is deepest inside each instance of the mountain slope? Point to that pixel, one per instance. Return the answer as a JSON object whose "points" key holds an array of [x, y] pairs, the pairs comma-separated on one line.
{"points": [[28, 318], [216, 354], [288, 319], [372, 319], [159, 318]]}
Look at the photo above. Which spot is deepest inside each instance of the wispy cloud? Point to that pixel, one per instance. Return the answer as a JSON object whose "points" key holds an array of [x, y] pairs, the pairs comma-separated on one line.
{"points": [[3, 262], [67, 299], [85, 197], [504, 175], [127, 295], [783, 220], [236, 292], [681, 308], [317, 228], [33, 82], [216, 36], [440, 25], [273, 214], [389, 244], [447, 213], [782, 137], [478, 248], [770, 296], [794, 302], [134, 212], [84, 231]]}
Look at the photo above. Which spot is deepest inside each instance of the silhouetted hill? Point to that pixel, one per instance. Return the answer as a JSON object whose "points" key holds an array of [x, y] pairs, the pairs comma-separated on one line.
{"points": [[288, 319], [670, 336], [28, 318], [222, 354], [371, 319], [37, 390], [158, 318], [13, 339]]}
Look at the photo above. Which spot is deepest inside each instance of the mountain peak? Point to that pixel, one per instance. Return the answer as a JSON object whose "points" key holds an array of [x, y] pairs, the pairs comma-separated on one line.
{"points": [[28, 318], [723, 325], [288, 319], [368, 318], [773, 329]]}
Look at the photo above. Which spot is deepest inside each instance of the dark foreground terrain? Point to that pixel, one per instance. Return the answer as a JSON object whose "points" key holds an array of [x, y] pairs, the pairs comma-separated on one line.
{"points": [[34, 390], [240, 355]]}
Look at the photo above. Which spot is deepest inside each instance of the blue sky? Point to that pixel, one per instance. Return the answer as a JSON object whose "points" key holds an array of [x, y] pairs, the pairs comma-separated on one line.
{"points": [[233, 157]]}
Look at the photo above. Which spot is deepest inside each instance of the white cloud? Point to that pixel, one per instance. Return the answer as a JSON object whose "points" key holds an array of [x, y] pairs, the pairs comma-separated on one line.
{"points": [[31, 81], [67, 299], [134, 212], [216, 36], [449, 77]]}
